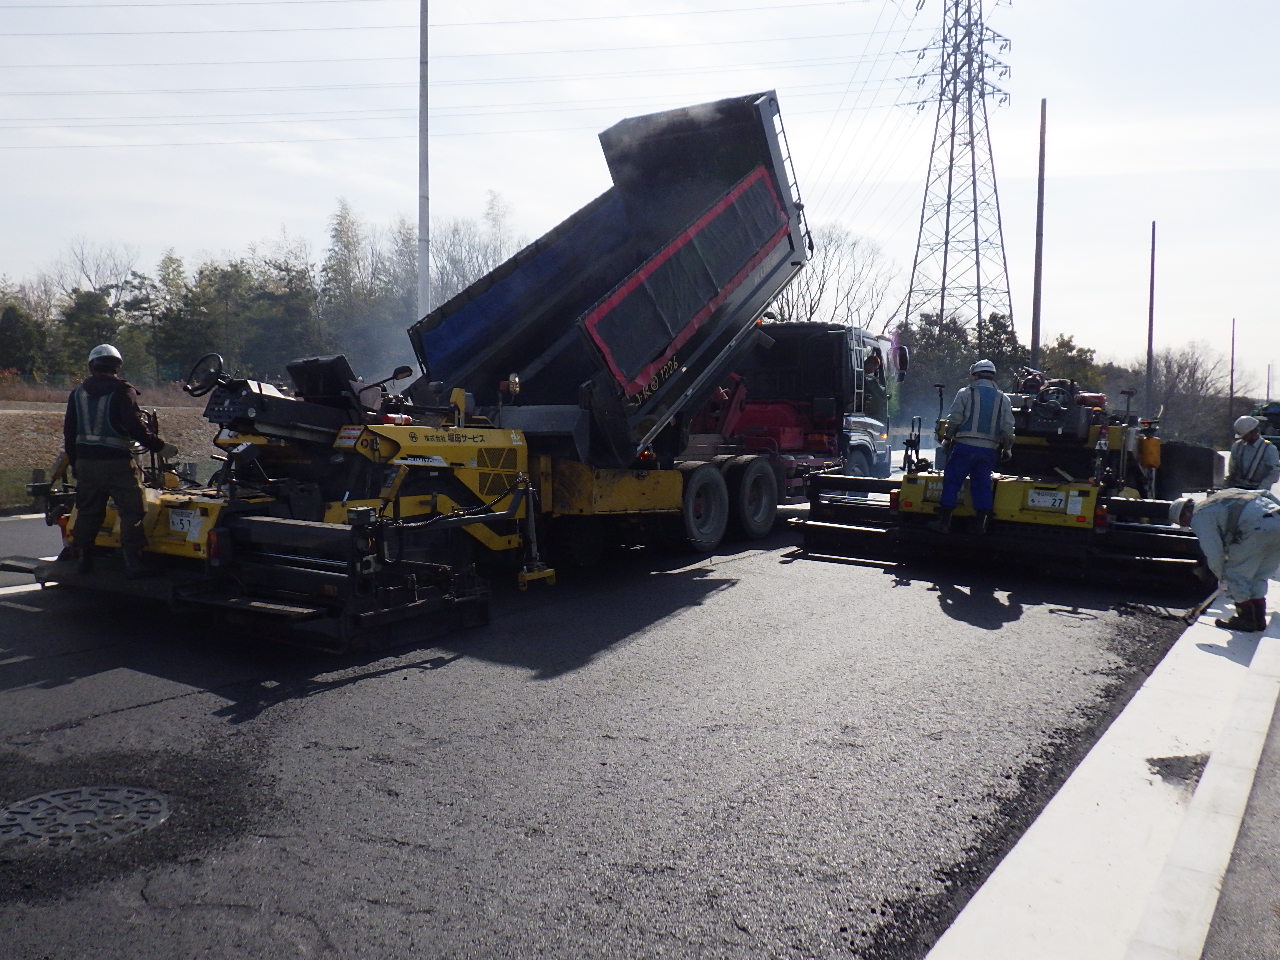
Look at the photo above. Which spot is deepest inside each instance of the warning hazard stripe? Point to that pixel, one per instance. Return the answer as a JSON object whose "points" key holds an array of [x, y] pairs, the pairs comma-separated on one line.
{"points": [[634, 384]]}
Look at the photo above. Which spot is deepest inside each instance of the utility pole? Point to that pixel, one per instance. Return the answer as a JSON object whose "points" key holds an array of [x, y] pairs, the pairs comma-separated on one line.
{"points": [[959, 267], [424, 173], [1151, 323], [1039, 266]]}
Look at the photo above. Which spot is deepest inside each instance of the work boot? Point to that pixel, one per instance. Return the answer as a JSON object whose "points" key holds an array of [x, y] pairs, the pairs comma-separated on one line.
{"points": [[134, 568], [1259, 613], [980, 522], [941, 523], [1244, 620]]}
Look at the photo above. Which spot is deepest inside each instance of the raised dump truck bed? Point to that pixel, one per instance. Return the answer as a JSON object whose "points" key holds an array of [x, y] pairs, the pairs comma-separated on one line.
{"points": [[619, 322]]}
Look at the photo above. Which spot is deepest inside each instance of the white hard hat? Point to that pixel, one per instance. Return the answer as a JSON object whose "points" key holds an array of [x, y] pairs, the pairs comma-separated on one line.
{"points": [[981, 367], [1176, 508], [105, 351], [1245, 424]]}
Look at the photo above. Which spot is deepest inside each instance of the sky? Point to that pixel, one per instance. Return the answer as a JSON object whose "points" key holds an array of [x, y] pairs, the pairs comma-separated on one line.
{"points": [[212, 127]]}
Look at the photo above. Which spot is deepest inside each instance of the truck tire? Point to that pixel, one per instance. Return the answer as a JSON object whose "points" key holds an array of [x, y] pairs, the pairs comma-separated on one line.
{"points": [[704, 508], [858, 464], [753, 496]]}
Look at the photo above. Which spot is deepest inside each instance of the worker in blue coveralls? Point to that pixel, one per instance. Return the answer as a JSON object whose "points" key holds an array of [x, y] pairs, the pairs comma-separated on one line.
{"points": [[1239, 533], [979, 429]]}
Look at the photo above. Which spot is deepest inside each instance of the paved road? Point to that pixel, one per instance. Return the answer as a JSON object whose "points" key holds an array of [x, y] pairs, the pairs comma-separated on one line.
{"points": [[757, 755]]}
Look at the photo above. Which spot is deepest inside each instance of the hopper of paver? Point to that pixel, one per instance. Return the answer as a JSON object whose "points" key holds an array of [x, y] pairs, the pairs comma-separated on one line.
{"points": [[620, 321]]}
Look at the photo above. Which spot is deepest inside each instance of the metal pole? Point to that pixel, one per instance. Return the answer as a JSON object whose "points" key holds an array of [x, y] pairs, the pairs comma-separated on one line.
{"points": [[1151, 325], [1039, 266], [424, 174]]}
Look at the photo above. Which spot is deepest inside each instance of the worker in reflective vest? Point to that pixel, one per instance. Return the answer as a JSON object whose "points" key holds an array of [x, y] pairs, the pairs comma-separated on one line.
{"points": [[1239, 534], [979, 429], [101, 424], [1255, 461]]}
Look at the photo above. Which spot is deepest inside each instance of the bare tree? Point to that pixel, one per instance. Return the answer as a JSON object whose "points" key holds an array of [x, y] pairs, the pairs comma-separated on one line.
{"points": [[103, 268], [847, 281], [1190, 392], [463, 249]]}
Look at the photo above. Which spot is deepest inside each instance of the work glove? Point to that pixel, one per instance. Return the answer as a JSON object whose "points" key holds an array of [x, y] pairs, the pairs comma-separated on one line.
{"points": [[1006, 454], [168, 451]]}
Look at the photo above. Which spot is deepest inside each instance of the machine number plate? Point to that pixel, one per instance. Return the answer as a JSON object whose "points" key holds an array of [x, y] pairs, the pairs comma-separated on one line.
{"points": [[182, 521], [1047, 499]]}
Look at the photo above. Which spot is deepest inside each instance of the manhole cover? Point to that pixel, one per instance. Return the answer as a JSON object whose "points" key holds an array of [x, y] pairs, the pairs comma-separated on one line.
{"points": [[79, 817]]}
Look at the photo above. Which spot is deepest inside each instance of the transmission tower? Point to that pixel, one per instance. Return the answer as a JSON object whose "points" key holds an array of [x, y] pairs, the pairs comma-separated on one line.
{"points": [[960, 269]]}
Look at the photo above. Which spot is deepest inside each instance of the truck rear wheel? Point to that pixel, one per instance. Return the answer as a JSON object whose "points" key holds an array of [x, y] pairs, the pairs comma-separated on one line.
{"points": [[704, 508], [753, 496]]}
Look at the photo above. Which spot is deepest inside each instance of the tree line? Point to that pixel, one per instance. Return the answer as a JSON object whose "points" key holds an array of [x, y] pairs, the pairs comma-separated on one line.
{"points": [[270, 306], [849, 281], [1190, 394], [259, 310]]}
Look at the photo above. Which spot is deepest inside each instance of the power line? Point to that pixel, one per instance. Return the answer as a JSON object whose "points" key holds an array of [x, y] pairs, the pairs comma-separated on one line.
{"points": [[805, 63], [160, 6], [634, 16], [652, 46], [201, 63], [130, 93], [577, 128], [522, 108], [208, 32], [213, 116], [473, 23], [200, 143]]}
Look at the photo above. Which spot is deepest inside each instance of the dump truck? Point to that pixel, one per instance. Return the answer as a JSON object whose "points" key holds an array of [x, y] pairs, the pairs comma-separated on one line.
{"points": [[816, 399], [556, 402], [1084, 491]]}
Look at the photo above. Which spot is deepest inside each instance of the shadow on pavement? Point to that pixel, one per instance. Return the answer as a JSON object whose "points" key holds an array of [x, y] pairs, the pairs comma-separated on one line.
{"points": [[59, 637]]}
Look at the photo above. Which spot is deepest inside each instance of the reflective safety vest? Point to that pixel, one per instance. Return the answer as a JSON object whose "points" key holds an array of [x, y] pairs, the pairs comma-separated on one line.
{"points": [[1251, 461], [983, 416], [93, 422]]}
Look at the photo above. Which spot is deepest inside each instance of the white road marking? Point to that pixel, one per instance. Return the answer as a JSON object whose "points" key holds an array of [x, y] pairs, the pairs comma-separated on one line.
{"points": [[20, 588]]}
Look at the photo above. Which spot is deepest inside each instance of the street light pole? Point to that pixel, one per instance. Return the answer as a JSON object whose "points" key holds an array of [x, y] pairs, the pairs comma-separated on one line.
{"points": [[424, 173], [1151, 323]]}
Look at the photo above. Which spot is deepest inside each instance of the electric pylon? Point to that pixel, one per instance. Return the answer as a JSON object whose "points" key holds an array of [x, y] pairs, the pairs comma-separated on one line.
{"points": [[960, 269]]}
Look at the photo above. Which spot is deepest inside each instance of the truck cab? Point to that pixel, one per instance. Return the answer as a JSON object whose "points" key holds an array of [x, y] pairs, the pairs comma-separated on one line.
{"points": [[820, 392]]}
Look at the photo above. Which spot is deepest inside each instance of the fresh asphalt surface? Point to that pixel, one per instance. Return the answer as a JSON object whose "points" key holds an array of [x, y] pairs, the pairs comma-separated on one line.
{"points": [[752, 755]]}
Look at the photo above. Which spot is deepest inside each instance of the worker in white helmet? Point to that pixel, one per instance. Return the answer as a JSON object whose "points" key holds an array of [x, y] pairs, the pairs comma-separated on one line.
{"points": [[100, 427], [979, 430], [1239, 534], [1255, 461]]}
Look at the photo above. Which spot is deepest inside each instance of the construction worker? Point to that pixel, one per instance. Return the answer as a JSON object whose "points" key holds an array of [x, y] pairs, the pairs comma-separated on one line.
{"points": [[1239, 533], [1255, 461], [979, 429], [101, 424]]}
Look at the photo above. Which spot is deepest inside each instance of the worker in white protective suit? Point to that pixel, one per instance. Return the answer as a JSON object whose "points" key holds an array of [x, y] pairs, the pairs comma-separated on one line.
{"points": [[1255, 461], [1239, 533]]}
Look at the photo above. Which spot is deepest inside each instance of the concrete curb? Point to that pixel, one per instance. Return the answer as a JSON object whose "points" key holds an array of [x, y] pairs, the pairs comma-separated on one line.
{"points": [[1181, 907]]}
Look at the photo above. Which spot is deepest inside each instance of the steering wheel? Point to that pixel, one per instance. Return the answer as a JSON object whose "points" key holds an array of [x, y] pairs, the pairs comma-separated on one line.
{"points": [[1055, 394], [204, 376]]}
